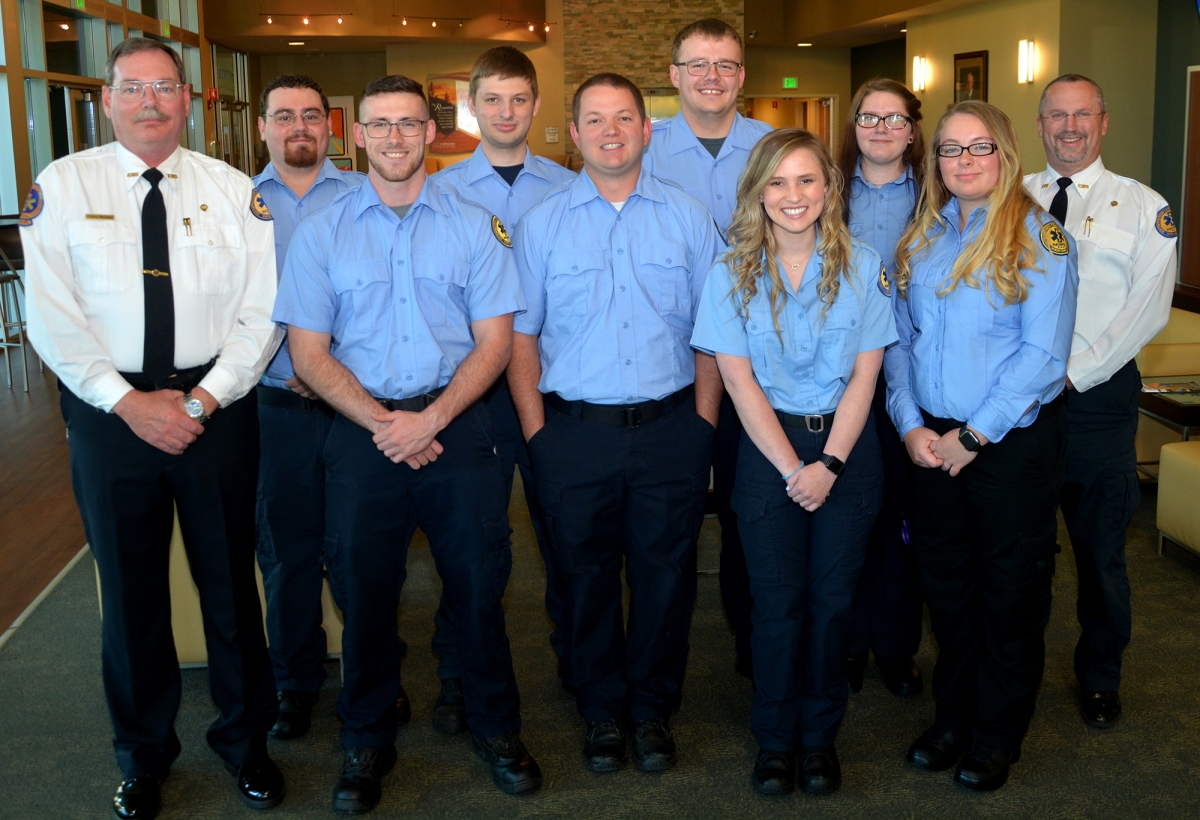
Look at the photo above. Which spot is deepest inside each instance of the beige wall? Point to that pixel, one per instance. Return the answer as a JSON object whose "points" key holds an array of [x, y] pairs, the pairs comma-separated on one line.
{"points": [[995, 27], [820, 72]]}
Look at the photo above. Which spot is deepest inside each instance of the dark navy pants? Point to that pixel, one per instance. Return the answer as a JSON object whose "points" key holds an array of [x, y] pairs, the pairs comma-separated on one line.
{"points": [[291, 535], [510, 444], [615, 496], [887, 608], [372, 507], [804, 568], [127, 492], [985, 542], [735, 582], [1099, 498]]}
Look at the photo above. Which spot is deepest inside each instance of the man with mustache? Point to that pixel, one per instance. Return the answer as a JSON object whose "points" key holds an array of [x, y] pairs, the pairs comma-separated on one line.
{"points": [[1126, 239], [151, 275]]}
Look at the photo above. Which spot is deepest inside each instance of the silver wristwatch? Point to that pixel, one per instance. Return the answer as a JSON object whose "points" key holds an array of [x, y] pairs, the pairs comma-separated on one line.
{"points": [[194, 408]]}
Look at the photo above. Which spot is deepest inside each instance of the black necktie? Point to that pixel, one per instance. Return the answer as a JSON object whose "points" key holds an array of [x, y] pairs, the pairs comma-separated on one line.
{"points": [[1058, 205], [158, 349]]}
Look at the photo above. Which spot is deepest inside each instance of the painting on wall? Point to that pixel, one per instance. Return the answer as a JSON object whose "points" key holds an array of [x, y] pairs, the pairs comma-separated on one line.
{"points": [[457, 128], [341, 141], [970, 76]]}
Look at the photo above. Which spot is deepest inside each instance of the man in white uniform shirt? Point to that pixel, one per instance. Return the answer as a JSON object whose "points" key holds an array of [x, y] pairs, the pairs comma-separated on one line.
{"points": [[151, 277], [1126, 239]]}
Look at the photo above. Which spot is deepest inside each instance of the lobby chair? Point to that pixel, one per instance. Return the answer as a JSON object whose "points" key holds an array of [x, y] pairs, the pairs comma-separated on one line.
{"points": [[1178, 493]]}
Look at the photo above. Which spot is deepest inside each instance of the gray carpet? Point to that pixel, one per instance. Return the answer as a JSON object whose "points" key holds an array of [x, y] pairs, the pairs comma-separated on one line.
{"points": [[57, 762]]}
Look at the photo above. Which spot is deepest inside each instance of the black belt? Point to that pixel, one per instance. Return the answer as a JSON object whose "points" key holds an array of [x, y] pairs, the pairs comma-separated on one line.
{"points": [[813, 423], [621, 415], [183, 380], [289, 400], [942, 426], [414, 405]]}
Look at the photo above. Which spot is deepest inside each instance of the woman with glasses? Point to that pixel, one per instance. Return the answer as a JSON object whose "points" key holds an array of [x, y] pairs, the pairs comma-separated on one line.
{"points": [[986, 285], [882, 159], [797, 313]]}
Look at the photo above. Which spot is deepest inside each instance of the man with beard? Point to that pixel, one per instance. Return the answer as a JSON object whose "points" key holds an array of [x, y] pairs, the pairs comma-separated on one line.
{"points": [[506, 179], [293, 121], [1126, 239], [151, 274], [418, 288]]}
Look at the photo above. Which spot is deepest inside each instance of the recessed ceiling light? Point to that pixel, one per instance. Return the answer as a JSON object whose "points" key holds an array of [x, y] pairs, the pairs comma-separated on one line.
{"points": [[296, 43], [903, 30], [804, 45]]}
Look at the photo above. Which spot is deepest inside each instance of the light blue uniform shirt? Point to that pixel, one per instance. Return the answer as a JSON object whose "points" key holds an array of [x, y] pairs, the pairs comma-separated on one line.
{"points": [[477, 181], [879, 213], [978, 361], [398, 296], [287, 210], [803, 369], [614, 295], [677, 156]]}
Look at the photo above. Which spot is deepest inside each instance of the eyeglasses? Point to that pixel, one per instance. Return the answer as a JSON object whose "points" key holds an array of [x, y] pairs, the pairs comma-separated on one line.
{"points": [[1080, 116], [893, 122], [700, 67], [287, 119], [407, 128], [133, 90], [978, 149]]}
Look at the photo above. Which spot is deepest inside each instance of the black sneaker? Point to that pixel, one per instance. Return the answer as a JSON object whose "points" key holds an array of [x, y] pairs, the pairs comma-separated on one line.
{"points": [[450, 713], [653, 746], [359, 786], [604, 747], [514, 771]]}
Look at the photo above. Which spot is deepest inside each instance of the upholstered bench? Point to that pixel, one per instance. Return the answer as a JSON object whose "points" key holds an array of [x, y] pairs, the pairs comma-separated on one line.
{"points": [[1179, 495]]}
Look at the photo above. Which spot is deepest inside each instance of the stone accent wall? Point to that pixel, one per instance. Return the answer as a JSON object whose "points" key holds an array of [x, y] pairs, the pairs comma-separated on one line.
{"points": [[630, 37]]}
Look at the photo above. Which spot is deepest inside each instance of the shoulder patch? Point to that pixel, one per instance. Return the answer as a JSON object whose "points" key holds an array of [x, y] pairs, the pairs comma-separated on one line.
{"points": [[33, 206], [259, 208], [1164, 222], [1054, 239], [885, 284], [501, 232]]}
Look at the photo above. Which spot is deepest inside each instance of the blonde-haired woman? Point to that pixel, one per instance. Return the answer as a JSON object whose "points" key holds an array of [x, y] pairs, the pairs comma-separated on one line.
{"points": [[797, 314], [986, 282]]}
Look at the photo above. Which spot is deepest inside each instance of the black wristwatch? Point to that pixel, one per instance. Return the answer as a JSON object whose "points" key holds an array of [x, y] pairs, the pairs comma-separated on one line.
{"points": [[969, 440], [832, 463]]}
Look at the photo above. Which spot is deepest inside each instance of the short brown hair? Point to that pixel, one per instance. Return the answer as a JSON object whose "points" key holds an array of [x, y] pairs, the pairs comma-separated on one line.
{"points": [[612, 81], [393, 84], [506, 63], [136, 45], [290, 81], [709, 27]]}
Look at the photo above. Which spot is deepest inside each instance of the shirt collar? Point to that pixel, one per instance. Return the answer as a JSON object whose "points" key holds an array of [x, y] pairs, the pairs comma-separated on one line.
{"points": [[480, 167], [368, 197], [681, 137], [583, 190], [134, 167], [1082, 181], [951, 212], [327, 171], [900, 180]]}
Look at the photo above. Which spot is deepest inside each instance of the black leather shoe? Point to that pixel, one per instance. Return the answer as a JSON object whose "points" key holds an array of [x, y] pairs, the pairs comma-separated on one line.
{"points": [[295, 714], [938, 748], [985, 768], [449, 713], [855, 664], [514, 771], [259, 783], [820, 770], [137, 798], [653, 746], [902, 676], [403, 707], [359, 786], [604, 747], [774, 772], [1101, 709]]}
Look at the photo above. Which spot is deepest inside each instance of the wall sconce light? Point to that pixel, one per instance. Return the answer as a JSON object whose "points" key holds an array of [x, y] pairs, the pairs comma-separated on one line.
{"points": [[269, 21], [920, 73], [547, 28], [435, 23], [339, 21], [1026, 61], [404, 21], [306, 21]]}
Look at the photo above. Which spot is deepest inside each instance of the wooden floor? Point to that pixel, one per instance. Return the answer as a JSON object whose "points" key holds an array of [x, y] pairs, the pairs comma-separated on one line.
{"points": [[40, 529]]}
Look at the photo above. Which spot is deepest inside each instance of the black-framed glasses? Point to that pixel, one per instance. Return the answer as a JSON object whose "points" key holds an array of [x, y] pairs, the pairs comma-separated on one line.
{"points": [[893, 122], [726, 68], [976, 149], [134, 90], [310, 116], [379, 130]]}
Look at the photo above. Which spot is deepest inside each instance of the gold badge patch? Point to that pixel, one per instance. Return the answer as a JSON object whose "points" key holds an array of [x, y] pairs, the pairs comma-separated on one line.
{"points": [[1165, 223], [258, 207], [885, 284], [501, 233], [1054, 239], [32, 207]]}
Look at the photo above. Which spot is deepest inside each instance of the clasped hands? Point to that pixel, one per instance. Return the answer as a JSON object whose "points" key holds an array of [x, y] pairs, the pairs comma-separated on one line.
{"points": [[927, 449], [810, 486], [406, 436]]}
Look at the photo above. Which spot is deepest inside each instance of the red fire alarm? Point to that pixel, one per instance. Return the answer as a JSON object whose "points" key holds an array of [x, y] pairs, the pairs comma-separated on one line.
{"points": [[774, 103], [212, 97]]}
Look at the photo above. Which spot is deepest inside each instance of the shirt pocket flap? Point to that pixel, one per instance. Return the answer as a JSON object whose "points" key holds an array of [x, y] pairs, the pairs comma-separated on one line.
{"points": [[444, 271], [358, 275], [1108, 238], [99, 232], [666, 256], [574, 262]]}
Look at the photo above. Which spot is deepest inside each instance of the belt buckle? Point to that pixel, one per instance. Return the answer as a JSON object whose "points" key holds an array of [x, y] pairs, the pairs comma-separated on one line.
{"points": [[808, 423], [631, 417]]}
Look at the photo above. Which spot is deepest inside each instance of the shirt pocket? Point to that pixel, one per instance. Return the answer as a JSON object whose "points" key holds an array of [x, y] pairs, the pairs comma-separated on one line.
{"points": [[218, 252], [364, 290], [766, 345], [105, 254], [1104, 279], [572, 282], [837, 336], [441, 291], [665, 268]]}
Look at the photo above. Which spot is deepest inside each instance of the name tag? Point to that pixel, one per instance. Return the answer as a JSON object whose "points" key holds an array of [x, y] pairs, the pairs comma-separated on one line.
{"points": [[99, 216]]}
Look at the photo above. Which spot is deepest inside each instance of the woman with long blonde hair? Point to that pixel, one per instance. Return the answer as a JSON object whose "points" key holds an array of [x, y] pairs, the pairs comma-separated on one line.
{"points": [[986, 282], [797, 313]]}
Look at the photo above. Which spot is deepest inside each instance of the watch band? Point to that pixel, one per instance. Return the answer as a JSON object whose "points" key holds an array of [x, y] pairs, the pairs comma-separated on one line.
{"points": [[191, 401], [832, 463]]}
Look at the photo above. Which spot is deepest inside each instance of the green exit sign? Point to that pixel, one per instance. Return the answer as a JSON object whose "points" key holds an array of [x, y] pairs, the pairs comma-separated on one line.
{"points": [[789, 82], [78, 4]]}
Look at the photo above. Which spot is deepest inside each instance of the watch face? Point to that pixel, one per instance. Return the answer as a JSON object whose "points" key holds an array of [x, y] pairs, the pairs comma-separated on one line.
{"points": [[194, 408]]}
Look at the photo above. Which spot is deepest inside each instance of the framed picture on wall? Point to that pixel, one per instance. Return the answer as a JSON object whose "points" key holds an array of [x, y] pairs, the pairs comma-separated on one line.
{"points": [[970, 76], [341, 142]]}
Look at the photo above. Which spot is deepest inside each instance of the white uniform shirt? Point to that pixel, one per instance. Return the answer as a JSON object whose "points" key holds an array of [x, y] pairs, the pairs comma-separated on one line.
{"points": [[81, 230], [1126, 240]]}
